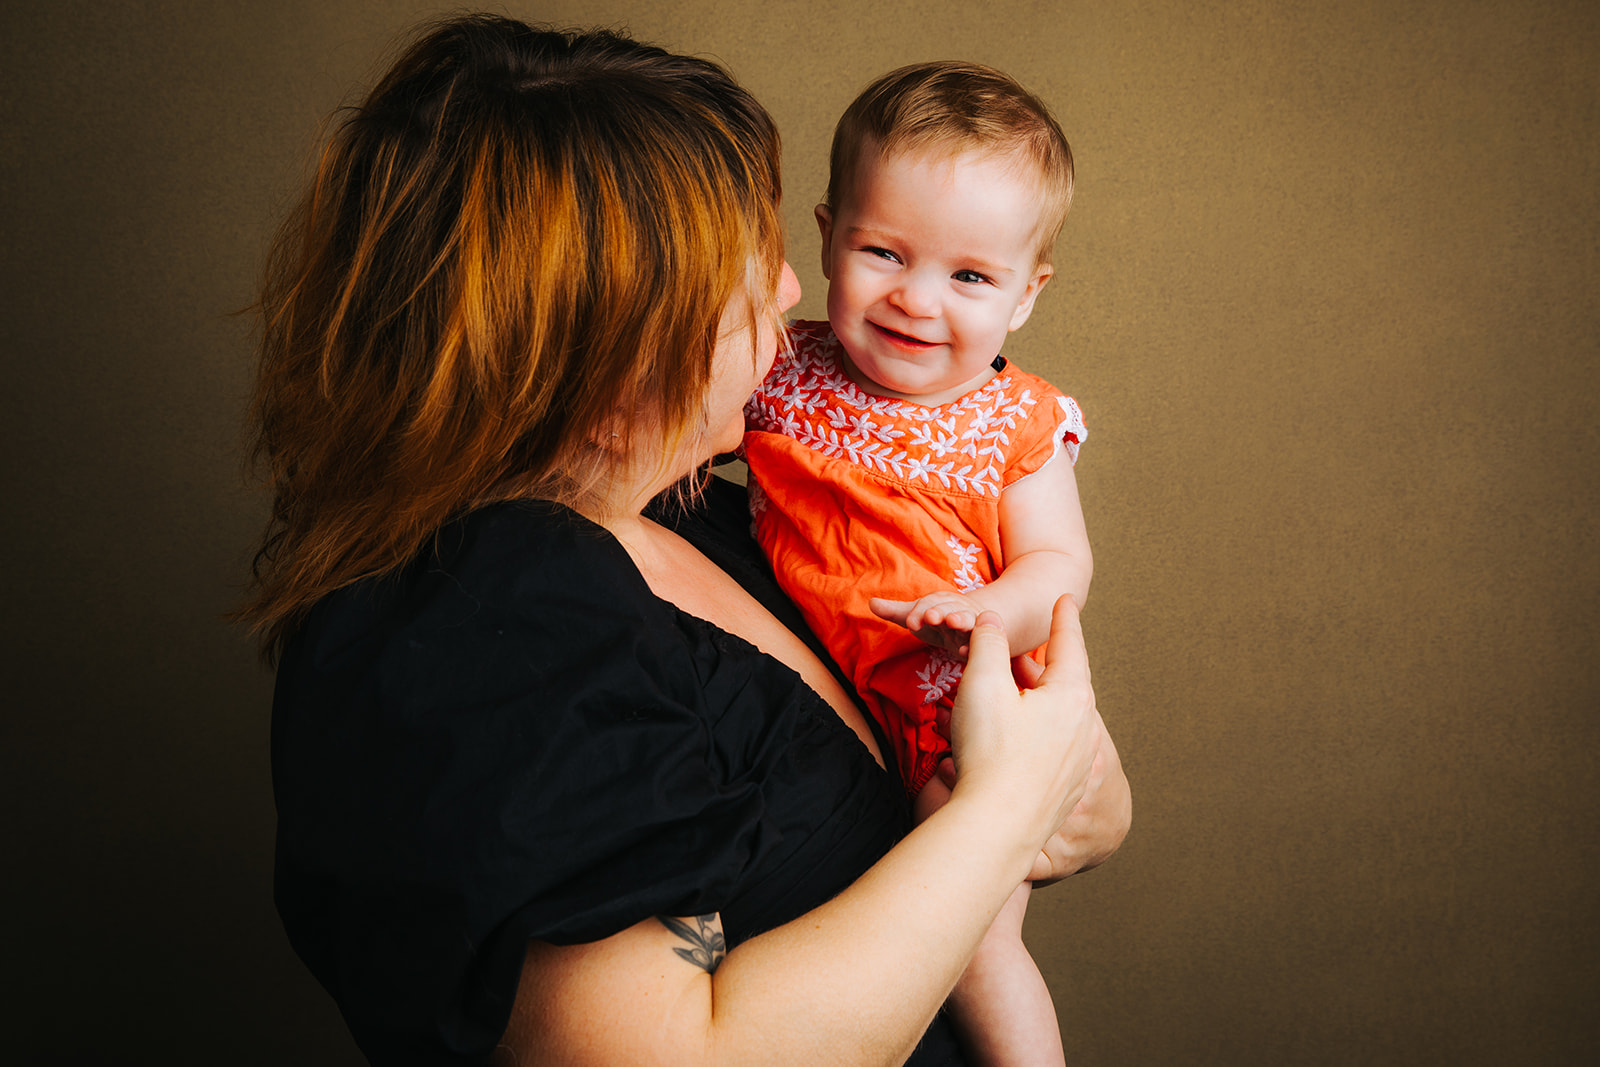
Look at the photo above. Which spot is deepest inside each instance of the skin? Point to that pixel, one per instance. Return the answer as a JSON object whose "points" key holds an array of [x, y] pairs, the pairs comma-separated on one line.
{"points": [[857, 980], [931, 261]]}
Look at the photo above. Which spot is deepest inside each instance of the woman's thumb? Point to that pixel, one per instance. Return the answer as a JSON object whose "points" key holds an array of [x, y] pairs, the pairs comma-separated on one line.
{"points": [[989, 651]]}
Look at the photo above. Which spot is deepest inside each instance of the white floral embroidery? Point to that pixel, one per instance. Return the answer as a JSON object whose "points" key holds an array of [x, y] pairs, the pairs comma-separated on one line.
{"points": [[939, 678], [937, 443], [966, 576], [917, 469], [857, 426]]}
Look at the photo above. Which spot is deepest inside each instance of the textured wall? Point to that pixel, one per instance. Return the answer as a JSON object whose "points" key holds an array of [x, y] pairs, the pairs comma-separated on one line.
{"points": [[1330, 298]]}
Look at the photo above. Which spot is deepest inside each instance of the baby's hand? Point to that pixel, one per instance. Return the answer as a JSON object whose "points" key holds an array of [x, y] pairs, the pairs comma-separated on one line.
{"points": [[944, 619]]}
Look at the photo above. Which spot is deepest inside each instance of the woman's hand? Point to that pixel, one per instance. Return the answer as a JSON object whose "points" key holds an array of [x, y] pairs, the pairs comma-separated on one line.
{"points": [[1095, 829], [1034, 749], [856, 980]]}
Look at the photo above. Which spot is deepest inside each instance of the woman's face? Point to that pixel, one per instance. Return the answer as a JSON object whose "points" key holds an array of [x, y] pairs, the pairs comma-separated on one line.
{"points": [[733, 376]]}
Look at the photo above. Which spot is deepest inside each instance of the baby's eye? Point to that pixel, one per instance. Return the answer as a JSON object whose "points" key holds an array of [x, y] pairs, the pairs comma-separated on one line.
{"points": [[881, 253], [971, 277]]}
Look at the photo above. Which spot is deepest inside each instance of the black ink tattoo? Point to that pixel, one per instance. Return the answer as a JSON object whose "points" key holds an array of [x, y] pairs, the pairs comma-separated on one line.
{"points": [[709, 944]]}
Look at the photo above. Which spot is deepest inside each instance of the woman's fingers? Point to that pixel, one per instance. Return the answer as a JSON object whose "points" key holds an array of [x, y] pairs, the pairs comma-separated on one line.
{"points": [[1038, 745], [1065, 689], [1027, 671], [1066, 660], [988, 650], [986, 687]]}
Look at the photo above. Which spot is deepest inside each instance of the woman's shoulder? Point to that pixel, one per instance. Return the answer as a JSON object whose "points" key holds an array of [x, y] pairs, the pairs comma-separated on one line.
{"points": [[507, 741], [516, 550], [519, 563], [523, 633]]}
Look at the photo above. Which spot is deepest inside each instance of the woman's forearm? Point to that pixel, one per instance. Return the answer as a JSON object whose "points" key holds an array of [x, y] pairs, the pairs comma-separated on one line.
{"points": [[853, 982], [883, 955], [857, 980]]}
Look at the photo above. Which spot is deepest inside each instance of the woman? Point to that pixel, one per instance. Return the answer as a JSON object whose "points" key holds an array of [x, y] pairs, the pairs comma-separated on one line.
{"points": [[549, 779]]}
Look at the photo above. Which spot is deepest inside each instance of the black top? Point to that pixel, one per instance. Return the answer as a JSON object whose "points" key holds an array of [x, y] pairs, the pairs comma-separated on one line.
{"points": [[513, 738]]}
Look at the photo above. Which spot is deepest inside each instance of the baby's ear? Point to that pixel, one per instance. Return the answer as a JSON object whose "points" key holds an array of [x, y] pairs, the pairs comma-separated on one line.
{"points": [[1025, 306], [825, 226]]}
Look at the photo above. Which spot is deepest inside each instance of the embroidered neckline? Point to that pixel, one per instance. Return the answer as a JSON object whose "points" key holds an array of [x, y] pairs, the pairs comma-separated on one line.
{"points": [[961, 443]]}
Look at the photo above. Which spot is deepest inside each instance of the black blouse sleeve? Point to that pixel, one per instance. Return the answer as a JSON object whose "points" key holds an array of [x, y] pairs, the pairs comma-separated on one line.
{"points": [[507, 742]]}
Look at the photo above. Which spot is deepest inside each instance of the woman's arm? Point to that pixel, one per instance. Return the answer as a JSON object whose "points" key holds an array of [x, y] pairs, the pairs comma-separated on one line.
{"points": [[857, 980]]}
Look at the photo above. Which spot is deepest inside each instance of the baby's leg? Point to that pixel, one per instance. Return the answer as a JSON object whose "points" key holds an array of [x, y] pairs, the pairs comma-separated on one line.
{"points": [[1001, 1004]]}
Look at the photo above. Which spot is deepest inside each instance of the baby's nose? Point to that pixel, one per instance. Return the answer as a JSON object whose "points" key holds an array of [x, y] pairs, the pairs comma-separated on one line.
{"points": [[917, 297]]}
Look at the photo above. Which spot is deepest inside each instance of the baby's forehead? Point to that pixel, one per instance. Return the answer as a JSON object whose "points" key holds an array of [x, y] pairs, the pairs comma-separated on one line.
{"points": [[950, 158], [990, 192], [953, 153]]}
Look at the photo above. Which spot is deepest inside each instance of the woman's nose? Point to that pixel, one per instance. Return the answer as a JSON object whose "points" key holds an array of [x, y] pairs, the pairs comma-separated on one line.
{"points": [[788, 288]]}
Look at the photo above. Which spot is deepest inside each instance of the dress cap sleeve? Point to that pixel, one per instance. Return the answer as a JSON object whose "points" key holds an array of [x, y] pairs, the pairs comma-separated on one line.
{"points": [[1055, 427]]}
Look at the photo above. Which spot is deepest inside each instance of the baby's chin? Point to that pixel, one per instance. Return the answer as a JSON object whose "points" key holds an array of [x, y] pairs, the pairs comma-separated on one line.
{"points": [[904, 378]]}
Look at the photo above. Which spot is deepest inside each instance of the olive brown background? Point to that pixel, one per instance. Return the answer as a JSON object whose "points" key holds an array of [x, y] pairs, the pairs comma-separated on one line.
{"points": [[1330, 297]]}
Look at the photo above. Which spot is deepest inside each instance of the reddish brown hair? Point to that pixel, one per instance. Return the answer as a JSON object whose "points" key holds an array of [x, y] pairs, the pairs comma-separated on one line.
{"points": [[951, 108], [510, 267]]}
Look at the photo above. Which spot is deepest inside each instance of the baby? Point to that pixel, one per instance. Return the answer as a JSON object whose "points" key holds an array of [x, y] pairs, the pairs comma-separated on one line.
{"points": [[905, 477]]}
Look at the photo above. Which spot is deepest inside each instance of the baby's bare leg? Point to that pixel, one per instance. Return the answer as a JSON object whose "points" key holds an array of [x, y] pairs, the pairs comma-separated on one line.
{"points": [[1001, 1004]]}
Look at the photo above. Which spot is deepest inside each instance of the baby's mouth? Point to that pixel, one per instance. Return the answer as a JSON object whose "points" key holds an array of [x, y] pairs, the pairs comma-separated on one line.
{"points": [[903, 339]]}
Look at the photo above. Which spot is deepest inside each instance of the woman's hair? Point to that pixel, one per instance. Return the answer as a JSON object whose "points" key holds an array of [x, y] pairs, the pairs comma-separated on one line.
{"points": [[510, 267], [950, 108]]}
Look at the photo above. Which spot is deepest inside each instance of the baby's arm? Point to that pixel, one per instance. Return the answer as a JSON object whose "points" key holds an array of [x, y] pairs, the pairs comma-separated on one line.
{"points": [[1046, 548]]}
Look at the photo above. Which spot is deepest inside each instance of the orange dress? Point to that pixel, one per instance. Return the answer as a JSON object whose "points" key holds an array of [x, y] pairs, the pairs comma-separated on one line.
{"points": [[854, 496]]}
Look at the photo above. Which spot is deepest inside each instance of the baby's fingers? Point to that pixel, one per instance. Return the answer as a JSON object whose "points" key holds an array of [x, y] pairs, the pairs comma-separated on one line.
{"points": [[895, 611], [957, 618]]}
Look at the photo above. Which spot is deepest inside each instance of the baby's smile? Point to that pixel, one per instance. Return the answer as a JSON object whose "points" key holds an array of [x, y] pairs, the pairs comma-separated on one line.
{"points": [[903, 339]]}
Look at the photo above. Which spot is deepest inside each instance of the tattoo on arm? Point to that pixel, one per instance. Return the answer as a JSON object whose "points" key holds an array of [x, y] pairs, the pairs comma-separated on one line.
{"points": [[706, 937]]}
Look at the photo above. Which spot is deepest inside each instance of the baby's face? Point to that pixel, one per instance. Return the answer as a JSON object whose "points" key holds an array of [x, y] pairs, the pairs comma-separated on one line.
{"points": [[931, 261]]}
